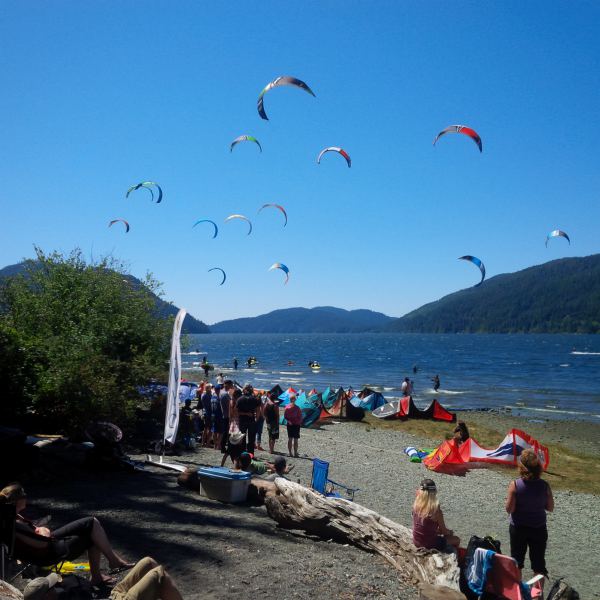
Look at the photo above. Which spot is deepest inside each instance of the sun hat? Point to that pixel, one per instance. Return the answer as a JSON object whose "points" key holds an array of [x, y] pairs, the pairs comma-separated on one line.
{"points": [[428, 485], [37, 588]]}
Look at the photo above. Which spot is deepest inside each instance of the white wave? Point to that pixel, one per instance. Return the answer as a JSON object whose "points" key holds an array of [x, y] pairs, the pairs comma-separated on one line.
{"points": [[552, 410], [388, 389], [194, 353], [442, 391], [289, 372], [565, 365], [586, 353]]}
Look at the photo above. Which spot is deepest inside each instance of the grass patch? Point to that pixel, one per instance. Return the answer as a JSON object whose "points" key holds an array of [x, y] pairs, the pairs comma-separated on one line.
{"points": [[568, 470]]}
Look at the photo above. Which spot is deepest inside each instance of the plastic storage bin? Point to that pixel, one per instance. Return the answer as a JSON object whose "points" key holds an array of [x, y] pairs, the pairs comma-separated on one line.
{"points": [[220, 483]]}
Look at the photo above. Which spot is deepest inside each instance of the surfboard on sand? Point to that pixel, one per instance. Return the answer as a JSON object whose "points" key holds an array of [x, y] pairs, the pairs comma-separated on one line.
{"points": [[387, 410]]}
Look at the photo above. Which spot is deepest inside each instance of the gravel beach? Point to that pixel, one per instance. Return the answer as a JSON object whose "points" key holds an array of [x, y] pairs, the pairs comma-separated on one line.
{"points": [[216, 550]]}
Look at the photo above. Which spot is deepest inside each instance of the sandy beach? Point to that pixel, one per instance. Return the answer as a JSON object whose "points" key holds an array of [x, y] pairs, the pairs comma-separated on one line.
{"points": [[216, 550]]}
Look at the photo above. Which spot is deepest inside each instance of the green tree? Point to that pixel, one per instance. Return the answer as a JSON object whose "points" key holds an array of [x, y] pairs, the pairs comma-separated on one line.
{"points": [[77, 339]]}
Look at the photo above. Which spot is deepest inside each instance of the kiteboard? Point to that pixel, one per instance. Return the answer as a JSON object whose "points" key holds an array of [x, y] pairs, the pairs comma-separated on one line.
{"points": [[69, 567], [387, 410]]}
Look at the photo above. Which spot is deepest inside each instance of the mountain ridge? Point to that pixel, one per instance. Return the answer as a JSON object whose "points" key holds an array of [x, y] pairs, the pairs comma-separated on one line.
{"points": [[319, 319]]}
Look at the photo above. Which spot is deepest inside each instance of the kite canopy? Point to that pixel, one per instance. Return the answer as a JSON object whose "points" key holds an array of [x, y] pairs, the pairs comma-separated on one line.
{"points": [[335, 149], [244, 138], [148, 185], [208, 221], [448, 454], [283, 268], [557, 233], [278, 206], [120, 221], [230, 217], [279, 81], [219, 269], [477, 263], [464, 130]]}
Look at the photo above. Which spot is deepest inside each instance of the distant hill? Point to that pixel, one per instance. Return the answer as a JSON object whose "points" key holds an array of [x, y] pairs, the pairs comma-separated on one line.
{"points": [[561, 296], [190, 325], [321, 319]]}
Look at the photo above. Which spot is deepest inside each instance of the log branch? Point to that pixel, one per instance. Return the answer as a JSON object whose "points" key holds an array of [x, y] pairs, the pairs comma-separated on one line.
{"points": [[297, 507]]}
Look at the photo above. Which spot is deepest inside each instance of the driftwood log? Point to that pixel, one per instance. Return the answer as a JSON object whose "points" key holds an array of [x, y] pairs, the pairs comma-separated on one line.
{"points": [[297, 507]]}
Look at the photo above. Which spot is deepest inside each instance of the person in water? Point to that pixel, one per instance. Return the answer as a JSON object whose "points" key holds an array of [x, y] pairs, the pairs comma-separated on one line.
{"points": [[527, 501], [415, 369], [429, 529], [235, 364], [436, 383]]}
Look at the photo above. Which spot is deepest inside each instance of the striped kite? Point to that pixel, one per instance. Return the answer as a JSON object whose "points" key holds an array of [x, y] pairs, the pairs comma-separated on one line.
{"points": [[557, 233], [279, 81], [283, 268], [335, 149], [243, 218], [244, 138], [148, 185], [464, 130], [278, 206], [477, 263]]}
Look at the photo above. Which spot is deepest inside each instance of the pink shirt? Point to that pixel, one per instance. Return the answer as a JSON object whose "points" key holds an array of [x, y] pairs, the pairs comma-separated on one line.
{"points": [[293, 414], [425, 532]]}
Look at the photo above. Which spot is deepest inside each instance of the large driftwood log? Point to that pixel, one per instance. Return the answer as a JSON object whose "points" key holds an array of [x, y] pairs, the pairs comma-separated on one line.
{"points": [[297, 507]]}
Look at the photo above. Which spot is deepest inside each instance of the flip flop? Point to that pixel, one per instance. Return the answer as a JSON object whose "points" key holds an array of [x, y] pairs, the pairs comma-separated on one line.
{"points": [[106, 582]]}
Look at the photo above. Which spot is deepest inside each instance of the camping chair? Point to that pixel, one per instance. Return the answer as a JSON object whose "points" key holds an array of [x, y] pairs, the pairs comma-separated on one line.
{"points": [[320, 481], [504, 580]]}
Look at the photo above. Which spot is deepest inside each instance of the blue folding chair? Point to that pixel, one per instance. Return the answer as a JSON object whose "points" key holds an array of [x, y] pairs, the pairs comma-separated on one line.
{"points": [[320, 483]]}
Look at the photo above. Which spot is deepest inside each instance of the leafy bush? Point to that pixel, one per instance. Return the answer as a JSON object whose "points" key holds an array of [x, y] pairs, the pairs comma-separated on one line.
{"points": [[77, 339]]}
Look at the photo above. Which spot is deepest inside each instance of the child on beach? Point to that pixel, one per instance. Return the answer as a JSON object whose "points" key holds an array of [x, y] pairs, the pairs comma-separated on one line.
{"points": [[528, 500], [429, 529], [293, 416]]}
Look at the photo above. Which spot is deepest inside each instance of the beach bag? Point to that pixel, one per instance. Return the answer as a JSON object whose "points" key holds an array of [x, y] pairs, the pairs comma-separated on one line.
{"points": [[487, 543], [561, 590]]}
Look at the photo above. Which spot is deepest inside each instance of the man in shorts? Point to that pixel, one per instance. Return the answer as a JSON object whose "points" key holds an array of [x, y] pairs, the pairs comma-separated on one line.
{"points": [[293, 416]]}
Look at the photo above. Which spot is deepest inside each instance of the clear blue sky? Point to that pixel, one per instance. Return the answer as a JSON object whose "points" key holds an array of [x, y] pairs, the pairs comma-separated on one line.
{"points": [[96, 96]]}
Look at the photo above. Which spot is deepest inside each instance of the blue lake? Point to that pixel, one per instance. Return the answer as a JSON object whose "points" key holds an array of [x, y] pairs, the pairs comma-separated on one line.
{"points": [[546, 375]]}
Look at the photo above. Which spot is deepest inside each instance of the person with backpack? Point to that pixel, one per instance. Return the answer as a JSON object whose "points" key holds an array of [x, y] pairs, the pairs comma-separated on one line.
{"points": [[528, 500]]}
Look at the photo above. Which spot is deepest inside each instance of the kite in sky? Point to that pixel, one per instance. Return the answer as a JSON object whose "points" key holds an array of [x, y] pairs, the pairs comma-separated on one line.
{"points": [[120, 221], [335, 149], [477, 263], [557, 233], [148, 185], [219, 269], [464, 130], [279, 81], [278, 206], [244, 138], [283, 268], [208, 221], [243, 218]]}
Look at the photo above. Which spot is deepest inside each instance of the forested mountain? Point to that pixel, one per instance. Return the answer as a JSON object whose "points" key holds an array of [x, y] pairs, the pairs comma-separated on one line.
{"points": [[190, 324], [321, 319], [561, 296]]}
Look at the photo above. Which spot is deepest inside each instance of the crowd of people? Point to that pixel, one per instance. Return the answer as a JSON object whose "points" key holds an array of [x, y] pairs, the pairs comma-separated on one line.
{"points": [[232, 420]]}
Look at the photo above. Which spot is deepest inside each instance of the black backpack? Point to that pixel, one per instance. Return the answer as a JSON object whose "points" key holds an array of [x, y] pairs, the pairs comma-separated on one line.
{"points": [[488, 543], [561, 590]]}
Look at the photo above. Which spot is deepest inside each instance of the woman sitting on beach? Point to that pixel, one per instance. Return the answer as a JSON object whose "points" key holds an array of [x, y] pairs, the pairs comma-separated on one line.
{"points": [[529, 497], [460, 433], [429, 529], [46, 547]]}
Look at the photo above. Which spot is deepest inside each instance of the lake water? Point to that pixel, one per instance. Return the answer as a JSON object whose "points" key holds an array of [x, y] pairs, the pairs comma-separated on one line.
{"points": [[545, 375]]}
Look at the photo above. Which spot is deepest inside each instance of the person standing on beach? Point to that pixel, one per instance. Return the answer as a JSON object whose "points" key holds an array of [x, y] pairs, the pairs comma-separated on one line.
{"points": [[224, 400], [217, 417], [248, 409], [272, 419], [293, 416], [220, 379], [207, 414], [528, 500], [260, 422], [406, 387]]}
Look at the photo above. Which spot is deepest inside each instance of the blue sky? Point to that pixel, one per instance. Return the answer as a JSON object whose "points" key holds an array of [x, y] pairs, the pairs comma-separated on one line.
{"points": [[96, 96]]}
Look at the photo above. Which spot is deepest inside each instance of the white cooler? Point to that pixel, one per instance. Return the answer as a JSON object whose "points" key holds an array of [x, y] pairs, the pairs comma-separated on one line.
{"points": [[220, 483]]}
